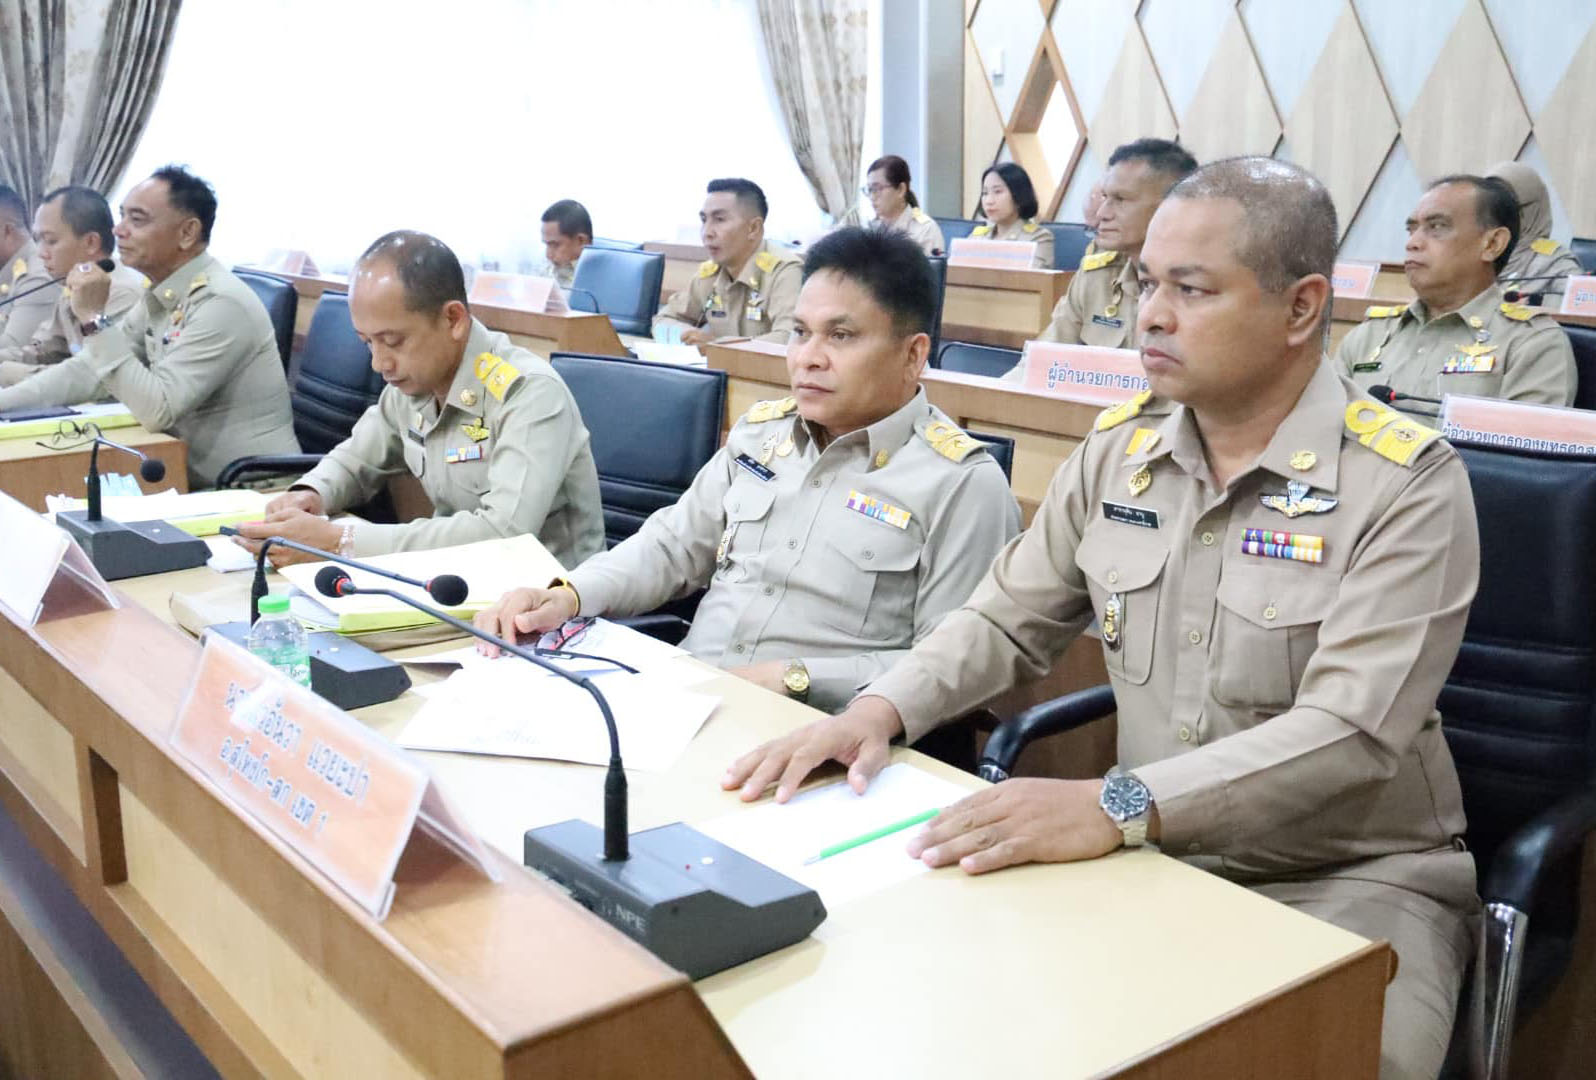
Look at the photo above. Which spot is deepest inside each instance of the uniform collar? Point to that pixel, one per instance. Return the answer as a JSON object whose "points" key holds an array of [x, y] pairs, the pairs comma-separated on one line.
{"points": [[1312, 427], [465, 374], [1482, 307], [750, 274], [886, 436], [170, 292]]}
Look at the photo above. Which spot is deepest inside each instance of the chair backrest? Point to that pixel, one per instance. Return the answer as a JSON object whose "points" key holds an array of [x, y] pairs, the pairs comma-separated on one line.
{"points": [[653, 426], [939, 274], [990, 360], [282, 306], [1585, 251], [1069, 243], [335, 385], [615, 245], [625, 284], [953, 228], [1583, 341], [1001, 447], [1519, 708]]}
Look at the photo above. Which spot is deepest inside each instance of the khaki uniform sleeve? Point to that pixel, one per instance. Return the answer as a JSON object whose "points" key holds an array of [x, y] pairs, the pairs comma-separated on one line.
{"points": [[49, 345], [1030, 605], [1068, 315], [209, 352], [538, 433], [19, 320], [354, 470], [1540, 368], [973, 523], [686, 308], [781, 300], [73, 380], [670, 556], [1044, 248], [1369, 687], [928, 234]]}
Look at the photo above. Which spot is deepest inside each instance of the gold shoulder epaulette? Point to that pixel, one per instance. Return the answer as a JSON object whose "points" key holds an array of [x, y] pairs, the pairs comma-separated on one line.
{"points": [[1384, 312], [918, 214], [1517, 312], [1031, 226], [708, 268], [1125, 410], [497, 374], [766, 261], [773, 409], [199, 282], [1544, 246], [19, 268], [1098, 260], [947, 440], [980, 230], [1387, 432]]}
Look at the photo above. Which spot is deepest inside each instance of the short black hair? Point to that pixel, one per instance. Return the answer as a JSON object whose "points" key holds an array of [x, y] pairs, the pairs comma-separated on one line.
{"points": [[747, 192], [13, 206], [1161, 155], [1018, 181], [189, 194], [427, 269], [1495, 207], [85, 211], [892, 268], [572, 218]]}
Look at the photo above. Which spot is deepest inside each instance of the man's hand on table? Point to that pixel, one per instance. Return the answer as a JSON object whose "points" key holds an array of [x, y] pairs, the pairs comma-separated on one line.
{"points": [[859, 737], [291, 523]]}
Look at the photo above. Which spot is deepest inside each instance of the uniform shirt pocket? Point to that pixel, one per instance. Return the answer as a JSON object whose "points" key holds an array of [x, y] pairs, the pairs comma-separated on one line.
{"points": [[1117, 563], [1266, 629], [469, 476], [869, 587], [746, 506], [415, 457]]}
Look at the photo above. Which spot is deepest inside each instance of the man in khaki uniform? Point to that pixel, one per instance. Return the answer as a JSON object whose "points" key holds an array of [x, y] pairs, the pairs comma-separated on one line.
{"points": [[21, 271], [1460, 336], [748, 286], [836, 527], [567, 231], [1538, 265], [196, 358], [489, 428], [1281, 569], [73, 225]]}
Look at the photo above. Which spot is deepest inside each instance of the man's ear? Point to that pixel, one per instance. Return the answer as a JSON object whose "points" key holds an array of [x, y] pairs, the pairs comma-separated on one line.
{"points": [[1496, 241], [1309, 297], [458, 316]]}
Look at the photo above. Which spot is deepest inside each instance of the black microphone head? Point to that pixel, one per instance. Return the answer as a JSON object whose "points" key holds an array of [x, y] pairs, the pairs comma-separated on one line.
{"points": [[153, 470], [330, 581], [450, 590], [106, 264], [1512, 296], [1381, 392]]}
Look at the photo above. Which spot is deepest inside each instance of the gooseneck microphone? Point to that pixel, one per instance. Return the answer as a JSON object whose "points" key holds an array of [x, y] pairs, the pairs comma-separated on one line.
{"points": [[1381, 392], [152, 470], [334, 581], [1514, 295], [104, 264]]}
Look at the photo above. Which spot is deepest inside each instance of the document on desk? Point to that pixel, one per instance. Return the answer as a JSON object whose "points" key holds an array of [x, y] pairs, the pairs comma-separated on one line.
{"points": [[660, 352], [610, 640], [198, 513], [105, 415], [784, 836], [509, 707]]}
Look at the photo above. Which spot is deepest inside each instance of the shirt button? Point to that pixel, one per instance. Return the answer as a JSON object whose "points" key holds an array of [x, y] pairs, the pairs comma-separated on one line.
{"points": [[739, 648], [1113, 577], [869, 554], [1270, 612], [1194, 636], [769, 589], [814, 483], [1208, 539], [792, 545], [1185, 733]]}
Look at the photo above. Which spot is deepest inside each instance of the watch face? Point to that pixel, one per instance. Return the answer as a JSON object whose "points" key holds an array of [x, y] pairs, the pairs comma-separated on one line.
{"points": [[796, 681], [1124, 798]]}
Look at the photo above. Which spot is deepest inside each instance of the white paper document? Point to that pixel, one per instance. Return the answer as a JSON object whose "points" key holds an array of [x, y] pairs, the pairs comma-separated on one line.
{"points": [[784, 835], [606, 639], [507, 706], [226, 556], [168, 505], [660, 352]]}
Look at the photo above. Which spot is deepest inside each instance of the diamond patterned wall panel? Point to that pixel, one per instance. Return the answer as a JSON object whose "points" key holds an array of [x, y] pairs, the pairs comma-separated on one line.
{"points": [[983, 127], [1231, 111], [1564, 131]]}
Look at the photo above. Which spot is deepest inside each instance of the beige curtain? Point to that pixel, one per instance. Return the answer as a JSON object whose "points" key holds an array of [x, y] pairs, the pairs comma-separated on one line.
{"points": [[77, 81], [817, 51]]}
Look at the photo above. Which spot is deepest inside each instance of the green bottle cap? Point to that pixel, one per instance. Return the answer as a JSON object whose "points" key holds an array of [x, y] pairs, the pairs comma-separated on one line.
{"points": [[274, 604]]}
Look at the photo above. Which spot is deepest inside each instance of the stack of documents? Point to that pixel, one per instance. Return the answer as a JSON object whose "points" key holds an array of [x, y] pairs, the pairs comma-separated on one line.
{"points": [[105, 416], [201, 513], [660, 352]]}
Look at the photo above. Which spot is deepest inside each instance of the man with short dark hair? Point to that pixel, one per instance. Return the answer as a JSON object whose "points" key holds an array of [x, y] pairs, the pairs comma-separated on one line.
{"points": [[747, 287], [21, 271], [73, 225], [835, 527], [196, 358], [489, 428], [1461, 335], [1281, 570], [1099, 308], [567, 229]]}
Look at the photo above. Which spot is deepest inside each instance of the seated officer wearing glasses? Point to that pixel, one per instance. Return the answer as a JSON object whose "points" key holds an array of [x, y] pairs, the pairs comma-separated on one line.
{"points": [[1281, 569], [836, 527]]}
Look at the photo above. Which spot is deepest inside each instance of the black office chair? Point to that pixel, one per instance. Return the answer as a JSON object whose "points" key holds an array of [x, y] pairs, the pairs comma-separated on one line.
{"points": [[953, 228], [939, 274], [989, 360], [282, 306], [1583, 341], [1519, 713], [1069, 243], [624, 285], [334, 388], [1001, 447], [615, 245], [1585, 251]]}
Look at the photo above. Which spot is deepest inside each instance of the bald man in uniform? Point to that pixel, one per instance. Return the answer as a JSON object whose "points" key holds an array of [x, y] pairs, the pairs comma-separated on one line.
{"points": [[488, 427], [1460, 335], [748, 286], [21, 271], [837, 526], [1281, 569]]}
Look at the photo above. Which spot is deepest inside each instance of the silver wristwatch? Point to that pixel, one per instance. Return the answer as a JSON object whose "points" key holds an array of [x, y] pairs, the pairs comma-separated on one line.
{"points": [[94, 325], [1128, 804]]}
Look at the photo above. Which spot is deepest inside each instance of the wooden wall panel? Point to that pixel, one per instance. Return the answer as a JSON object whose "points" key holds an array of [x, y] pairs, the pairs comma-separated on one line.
{"points": [[1565, 129], [1232, 112]]}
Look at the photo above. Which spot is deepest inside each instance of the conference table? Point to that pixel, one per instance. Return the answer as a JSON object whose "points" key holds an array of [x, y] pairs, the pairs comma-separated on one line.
{"points": [[1130, 965], [33, 467]]}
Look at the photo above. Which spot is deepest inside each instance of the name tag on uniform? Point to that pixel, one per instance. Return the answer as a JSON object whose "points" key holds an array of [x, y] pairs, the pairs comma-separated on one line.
{"points": [[416, 437], [1104, 320], [1367, 366], [456, 454], [1130, 515], [755, 467]]}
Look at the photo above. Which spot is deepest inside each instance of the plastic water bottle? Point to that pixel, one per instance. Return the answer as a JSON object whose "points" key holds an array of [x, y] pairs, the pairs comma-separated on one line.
{"points": [[278, 639]]}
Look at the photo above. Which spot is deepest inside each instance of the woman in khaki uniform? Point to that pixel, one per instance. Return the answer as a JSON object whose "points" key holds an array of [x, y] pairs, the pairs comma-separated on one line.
{"points": [[1008, 200], [895, 205]]}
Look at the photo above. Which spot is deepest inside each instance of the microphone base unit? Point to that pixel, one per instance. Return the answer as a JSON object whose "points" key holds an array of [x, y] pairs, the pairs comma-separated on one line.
{"points": [[124, 549], [342, 671], [695, 903]]}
